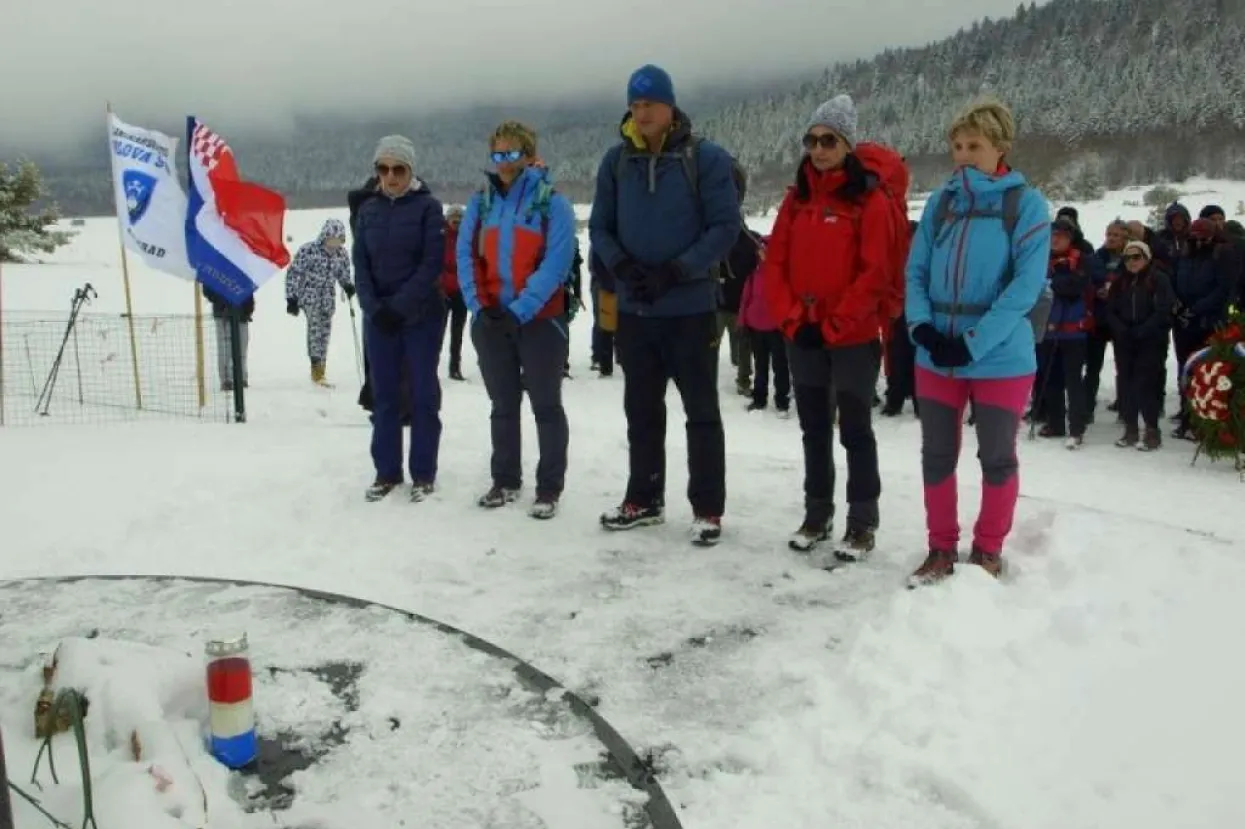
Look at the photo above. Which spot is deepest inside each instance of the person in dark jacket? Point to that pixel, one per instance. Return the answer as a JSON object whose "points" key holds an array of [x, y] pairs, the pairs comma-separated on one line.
{"points": [[1204, 281], [1111, 261], [1139, 314], [604, 315], [665, 212], [900, 363], [1235, 232], [224, 342], [399, 251], [1074, 279], [740, 264]]}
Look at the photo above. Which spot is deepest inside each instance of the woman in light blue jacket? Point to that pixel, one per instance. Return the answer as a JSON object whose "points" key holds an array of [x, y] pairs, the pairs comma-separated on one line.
{"points": [[975, 274]]}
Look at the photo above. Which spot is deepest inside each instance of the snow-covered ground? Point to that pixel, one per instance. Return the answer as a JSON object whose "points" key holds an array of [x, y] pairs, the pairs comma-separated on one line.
{"points": [[1094, 687]]}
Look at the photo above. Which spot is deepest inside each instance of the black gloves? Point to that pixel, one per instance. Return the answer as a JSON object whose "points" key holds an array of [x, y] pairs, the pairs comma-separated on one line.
{"points": [[348, 290], [500, 320], [388, 321], [657, 281], [944, 351], [952, 353], [809, 336], [291, 307], [628, 271], [649, 283]]}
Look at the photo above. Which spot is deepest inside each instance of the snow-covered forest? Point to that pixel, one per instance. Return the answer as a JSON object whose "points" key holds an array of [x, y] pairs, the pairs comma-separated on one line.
{"points": [[1107, 92]]}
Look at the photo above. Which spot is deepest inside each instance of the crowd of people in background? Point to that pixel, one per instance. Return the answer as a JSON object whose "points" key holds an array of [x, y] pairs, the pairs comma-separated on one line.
{"points": [[985, 307]]}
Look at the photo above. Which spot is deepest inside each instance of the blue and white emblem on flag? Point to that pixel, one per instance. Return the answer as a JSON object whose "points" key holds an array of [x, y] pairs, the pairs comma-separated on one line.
{"points": [[138, 189]]}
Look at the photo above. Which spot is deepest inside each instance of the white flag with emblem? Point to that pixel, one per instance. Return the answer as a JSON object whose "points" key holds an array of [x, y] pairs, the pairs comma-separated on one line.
{"points": [[151, 205]]}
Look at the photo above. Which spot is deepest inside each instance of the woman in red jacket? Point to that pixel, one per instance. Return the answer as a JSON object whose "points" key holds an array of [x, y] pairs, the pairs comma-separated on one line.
{"points": [[827, 277], [455, 308]]}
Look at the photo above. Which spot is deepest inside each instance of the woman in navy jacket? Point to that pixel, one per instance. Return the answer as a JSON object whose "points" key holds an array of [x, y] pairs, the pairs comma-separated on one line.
{"points": [[399, 251]]}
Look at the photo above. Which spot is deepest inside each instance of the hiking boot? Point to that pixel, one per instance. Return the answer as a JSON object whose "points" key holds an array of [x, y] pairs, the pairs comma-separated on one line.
{"points": [[856, 545], [1184, 433], [379, 489], [456, 374], [1152, 441], [1129, 440], [628, 516], [706, 530], [317, 374], [808, 536], [743, 388], [1049, 431], [420, 490], [498, 496], [937, 566], [1113, 406], [992, 563], [892, 409], [784, 412], [544, 507], [1074, 442], [754, 406]]}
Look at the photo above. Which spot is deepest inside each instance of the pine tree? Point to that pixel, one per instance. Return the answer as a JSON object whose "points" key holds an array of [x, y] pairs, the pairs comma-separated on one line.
{"points": [[21, 228]]}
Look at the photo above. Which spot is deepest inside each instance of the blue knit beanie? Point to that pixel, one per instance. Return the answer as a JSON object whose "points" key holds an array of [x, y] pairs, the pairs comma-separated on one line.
{"points": [[650, 83]]}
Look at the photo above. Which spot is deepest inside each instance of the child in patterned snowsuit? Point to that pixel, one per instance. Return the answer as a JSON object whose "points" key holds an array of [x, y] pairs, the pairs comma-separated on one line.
{"points": [[309, 287]]}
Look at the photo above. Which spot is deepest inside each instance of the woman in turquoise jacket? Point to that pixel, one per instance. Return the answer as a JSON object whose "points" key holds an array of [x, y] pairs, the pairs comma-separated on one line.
{"points": [[976, 271]]}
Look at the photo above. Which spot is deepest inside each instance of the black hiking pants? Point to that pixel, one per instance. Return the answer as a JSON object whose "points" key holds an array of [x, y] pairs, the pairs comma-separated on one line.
{"points": [[653, 351], [827, 379], [1139, 364]]}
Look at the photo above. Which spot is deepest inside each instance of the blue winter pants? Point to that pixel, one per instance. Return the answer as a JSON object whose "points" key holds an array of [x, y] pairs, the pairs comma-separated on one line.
{"points": [[416, 351]]}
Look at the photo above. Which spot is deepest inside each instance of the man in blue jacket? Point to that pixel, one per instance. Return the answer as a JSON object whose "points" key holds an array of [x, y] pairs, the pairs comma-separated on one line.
{"points": [[665, 213], [398, 254]]}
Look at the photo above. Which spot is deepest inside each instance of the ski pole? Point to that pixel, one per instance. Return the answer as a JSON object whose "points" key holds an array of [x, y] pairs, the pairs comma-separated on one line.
{"points": [[354, 329]]}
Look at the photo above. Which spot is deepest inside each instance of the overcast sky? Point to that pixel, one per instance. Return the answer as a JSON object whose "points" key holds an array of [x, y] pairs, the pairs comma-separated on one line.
{"points": [[256, 61]]}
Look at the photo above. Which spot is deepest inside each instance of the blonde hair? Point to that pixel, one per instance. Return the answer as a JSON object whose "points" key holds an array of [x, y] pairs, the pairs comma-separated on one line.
{"points": [[517, 133], [989, 118]]}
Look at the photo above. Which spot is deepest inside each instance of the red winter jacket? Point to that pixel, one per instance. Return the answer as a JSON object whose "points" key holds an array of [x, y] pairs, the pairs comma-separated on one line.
{"points": [[449, 273], [826, 262]]}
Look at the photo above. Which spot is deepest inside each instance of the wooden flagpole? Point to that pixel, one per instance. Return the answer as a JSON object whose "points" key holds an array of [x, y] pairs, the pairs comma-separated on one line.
{"points": [[200, 379], [125, 277]]}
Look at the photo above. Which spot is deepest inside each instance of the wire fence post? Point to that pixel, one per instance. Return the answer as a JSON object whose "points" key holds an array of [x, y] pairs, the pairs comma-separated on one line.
{"points": [[6, 801]]}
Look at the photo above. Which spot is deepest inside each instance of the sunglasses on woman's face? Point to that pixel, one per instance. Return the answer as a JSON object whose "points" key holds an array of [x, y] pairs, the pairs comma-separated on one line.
{"points": [[827, 141], [398, 170], [506, 156]]}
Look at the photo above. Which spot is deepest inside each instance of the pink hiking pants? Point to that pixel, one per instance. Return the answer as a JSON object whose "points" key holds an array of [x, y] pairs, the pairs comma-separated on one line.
{"points": [[999, 405]]}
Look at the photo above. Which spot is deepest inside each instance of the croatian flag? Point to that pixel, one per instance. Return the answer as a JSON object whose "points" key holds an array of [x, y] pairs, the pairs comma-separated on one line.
{"points": [[235, 233]]}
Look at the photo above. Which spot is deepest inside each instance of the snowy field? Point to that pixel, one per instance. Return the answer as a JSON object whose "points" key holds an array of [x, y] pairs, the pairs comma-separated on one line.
{"points": [[1093, 688]]}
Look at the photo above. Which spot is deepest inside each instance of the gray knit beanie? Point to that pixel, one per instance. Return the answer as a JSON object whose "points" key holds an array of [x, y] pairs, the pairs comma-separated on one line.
{"points": [[838, 114], [395, 148]]}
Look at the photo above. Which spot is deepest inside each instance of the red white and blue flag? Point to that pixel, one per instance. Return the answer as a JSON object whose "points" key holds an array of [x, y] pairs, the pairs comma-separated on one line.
{"points": [[235, 235]]}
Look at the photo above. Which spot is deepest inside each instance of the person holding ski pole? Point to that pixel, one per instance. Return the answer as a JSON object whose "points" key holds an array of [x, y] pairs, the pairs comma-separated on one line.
{"points": [[310, 283]]}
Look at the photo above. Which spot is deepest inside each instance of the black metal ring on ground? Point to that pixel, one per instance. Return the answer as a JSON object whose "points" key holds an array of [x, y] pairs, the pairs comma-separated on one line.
{"points": [[658, 807]]}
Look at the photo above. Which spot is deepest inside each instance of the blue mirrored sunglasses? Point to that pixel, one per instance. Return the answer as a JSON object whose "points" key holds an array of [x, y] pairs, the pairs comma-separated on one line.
{"points": [[507, 156]]}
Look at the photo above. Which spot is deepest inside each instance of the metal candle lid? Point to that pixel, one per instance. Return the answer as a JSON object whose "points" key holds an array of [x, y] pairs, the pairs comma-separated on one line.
{"points": [[226, 646]]}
